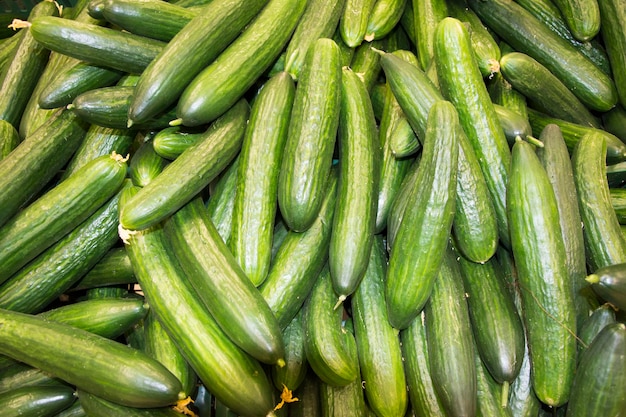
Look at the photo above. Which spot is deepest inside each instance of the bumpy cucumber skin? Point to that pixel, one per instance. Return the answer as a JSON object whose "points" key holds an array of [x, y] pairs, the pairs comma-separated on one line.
{"points": [[582, 17], [383, 18], [613, 15], [353, 21], [427, 14]]}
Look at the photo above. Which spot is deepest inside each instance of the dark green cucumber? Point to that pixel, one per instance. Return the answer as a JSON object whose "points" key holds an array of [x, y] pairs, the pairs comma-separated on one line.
{"points": [[613, 21], [220, 85], [527, 34], [145, 164], [186, 176], [427, 14], [34, 162], [36, 401], [220, 282], [353, 21], [95, 406], [491, 397], [423, 398], [503, 94], [19, 77], [355, 211], [163, 81], [556, 160], [308, 394], [311, 137], [159, 345], [7, 48], [462, 84], [594, 323], [77, 79], [604, 243], [326, 340], [221, 202], [319, 20], [9, 138], [293, 373], [591, 394], [75, 410], [512, 123], [255, 207], [378, 344], [113, 268], [192, 328], [614, 121], [609, 282], [152, 19], [384, 18], [21, 375], [544, 90], [95, 44], [56, 269], [172, 141], [618, 201], [573, 132], [366, 62], [546, 289], [88, 361], [418, 247], [450, 341], [57, 212], [582, 17], [288, 283]]}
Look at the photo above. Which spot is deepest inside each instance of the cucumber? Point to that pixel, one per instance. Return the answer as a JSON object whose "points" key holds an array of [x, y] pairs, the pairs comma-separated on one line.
{"points": [[221, 202], [9, 138], [604, 242], [355, 210], [618, 201], [609, 282], [384, 18], [293, 373], [172, 141], [353, 21], [526, 34], [95, 406], [613, 21], [219, 282], [427, 14], [57, 212], [255, 206], [419, 245], [320, 19], [544, 90], [450, 341], [21, 375], [614, 121], [462, 84], [145, 164], [36, 401], [597, 320], [7, 48], [192, 171], [75, 410], [220, 85], [595, 374], [205, 346], [163, 81], [512, 123], [366, 62], [582, 17], [88, 361], [546, 289], [378, 344], [288, 283], [504, 95], [309, 397], [311, 137], [152, 19], [97, 45], [488, 393], [397, 209], [326, 340], [60, 266]]}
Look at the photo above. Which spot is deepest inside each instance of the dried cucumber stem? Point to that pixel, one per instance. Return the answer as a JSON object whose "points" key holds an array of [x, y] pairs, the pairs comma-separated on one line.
{"points": [[286, 397], [19, 24]]}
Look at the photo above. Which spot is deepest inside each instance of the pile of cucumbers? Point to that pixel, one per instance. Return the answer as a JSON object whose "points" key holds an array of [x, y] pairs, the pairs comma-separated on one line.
{"points": [[314, 208]]}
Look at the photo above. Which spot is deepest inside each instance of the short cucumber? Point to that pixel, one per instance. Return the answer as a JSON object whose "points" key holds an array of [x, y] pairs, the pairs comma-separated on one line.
{"points": [[582, 17], [145, 164], [193, 170], [613, 21], [512, 123], [88, 361], [172, 141], [366, 62], [384, 18], [609, 282], [36, 401], [353, 21]]}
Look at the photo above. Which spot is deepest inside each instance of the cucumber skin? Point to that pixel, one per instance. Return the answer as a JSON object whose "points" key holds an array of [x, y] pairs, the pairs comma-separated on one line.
{"points": [[612, 30], [9, 138], [582, 17], [547, 293], [353, 21], [88, 361], [427, 14], [193, 170], [36, 401], [418, 246], [98, 407], [609, 283]]}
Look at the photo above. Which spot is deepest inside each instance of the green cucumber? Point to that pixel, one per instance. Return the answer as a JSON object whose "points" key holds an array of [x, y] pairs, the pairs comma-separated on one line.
{"points": [[582, 17], [152, 19], [19, 77], [95, 406], [384, 18], [450, 341], [614, 121], [56, 269], [398, 205], [145, 164], [526, 34], [58, 211], [490, 395], [378, 344], [544, 90], [503, 94], [613, 21], [311, 138], [192, 328], [597, 320], [36, 401], [609, 282], [75, 410], [546, 290], [255, 206], [308, 395], [211, 31], [512, 123], [618, 201], [355, 211], [288, 283], [353, 21], [7, 48], [604, 243], [326, 340], [88, 361], [172, 141], [192, 171], [591, 394], [293, 373], [462, 84], [427, 14], [422, 235], [95, 44], [9, 138], [319, 20], [220, 282], [366, 62], [221, 202], [220, 85], [21, 375]]}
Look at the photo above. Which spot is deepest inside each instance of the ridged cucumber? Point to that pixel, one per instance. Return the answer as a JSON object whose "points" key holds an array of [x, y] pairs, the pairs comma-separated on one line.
{"points": [[613, 16]]}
